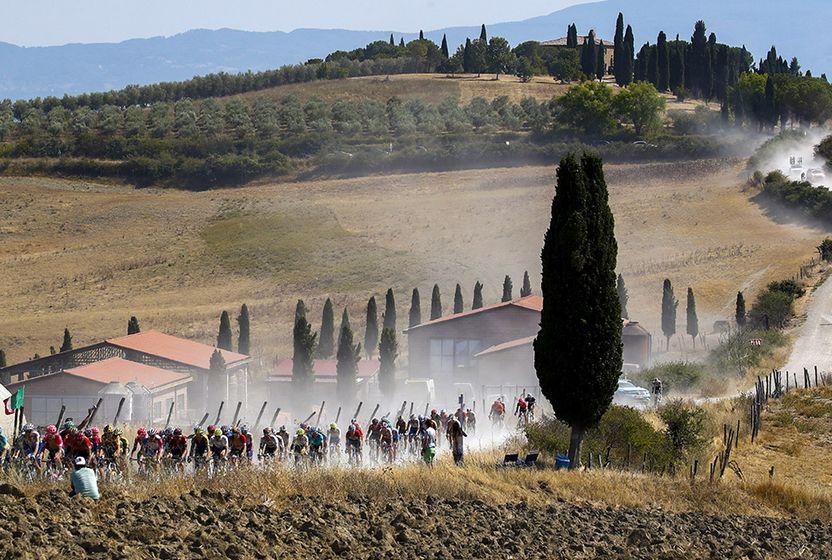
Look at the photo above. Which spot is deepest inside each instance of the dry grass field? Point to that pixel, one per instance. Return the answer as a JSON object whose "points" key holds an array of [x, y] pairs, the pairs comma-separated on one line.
{"points": [[87, 256]]}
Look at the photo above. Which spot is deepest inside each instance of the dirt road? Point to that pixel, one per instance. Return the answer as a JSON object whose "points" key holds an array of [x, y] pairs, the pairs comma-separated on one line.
{"points": [[813, 346]]}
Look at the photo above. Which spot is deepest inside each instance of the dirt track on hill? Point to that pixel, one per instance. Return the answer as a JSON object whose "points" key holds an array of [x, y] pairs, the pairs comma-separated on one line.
{"points": [[220, 524]]}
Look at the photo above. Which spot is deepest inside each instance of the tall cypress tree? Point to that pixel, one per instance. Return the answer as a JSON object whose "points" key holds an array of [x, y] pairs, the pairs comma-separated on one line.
{"points": [[388, 351], [652, 70], [459, 306], [415, 309], [663, 62], [588, 57], [676, 79], [623, 296], [601, 62], [435, 303], [133, 326], [444, 47], [508, 288], [390, 310], [618, 50], [303, 360], [739, 312], [578, 368], [401, 42], [572, 37], [642, 64], [392, 42], [669, 305], [66, 345], [771, 112], [526, 289], [692, 326], [371, 332], [477, 302], [244, 338], [467, 58], [483, 35], [699, 59], [224, 336], [346, 370], [629, 57], [421, 35], [326, 342]]}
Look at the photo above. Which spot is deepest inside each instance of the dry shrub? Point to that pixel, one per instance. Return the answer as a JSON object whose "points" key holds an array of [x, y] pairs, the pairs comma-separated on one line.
{"points": [[805, 501]]}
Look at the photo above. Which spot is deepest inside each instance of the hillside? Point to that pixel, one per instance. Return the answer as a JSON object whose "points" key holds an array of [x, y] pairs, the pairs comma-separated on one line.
{"points": [[77, 68], [88, 256]]}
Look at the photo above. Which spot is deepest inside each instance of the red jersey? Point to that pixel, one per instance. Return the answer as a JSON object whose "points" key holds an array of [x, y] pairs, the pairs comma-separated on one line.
{"points": [[79, 442], [53, 442]]}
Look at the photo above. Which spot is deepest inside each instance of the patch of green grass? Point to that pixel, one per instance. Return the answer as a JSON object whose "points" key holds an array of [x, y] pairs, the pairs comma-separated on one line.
{"points": [[303, 245]]}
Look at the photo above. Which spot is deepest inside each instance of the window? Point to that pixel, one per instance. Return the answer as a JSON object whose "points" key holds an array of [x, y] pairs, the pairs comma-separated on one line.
{"points": [[448, 354]]}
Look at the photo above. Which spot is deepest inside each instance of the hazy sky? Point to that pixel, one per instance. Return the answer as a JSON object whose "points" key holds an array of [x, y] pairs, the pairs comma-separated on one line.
{"points": [[54, 22]]}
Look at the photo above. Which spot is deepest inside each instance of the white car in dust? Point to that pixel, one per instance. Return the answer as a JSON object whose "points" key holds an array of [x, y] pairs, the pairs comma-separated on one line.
{"points": [[628, 394], [815, 175]]}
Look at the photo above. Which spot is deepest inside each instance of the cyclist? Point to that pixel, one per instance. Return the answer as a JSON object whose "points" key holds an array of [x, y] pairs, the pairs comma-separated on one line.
{"points": [[334, 440], [219, 447], [177, 445], [317, 440], [354, 439], [76, 444], [521, 410], [373, 436], [199, 448], [300, 446], [237, 445], [412, 432], [530, 402], [141, 435], [442, 427], [497, 412], [151, 449], [283, 450], [460, 415], [269, 445], [401, 428], [30, 442], [53, 445], [470, 421], [656, 391], [386, 442], [249, 443]]}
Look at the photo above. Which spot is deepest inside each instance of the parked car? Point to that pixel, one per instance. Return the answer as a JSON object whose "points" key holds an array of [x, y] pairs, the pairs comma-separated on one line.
{"points": [[629, 394], [815, 175]]}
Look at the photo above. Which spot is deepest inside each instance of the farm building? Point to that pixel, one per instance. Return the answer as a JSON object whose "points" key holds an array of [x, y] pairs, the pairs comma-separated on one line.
{"points": [[560, 43], [204, 389], [492, 346], [148, 392], [324, 388]]}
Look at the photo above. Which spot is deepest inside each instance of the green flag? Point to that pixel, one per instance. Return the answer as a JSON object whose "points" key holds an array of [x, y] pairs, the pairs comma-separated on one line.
{"points": [[16, 400]]}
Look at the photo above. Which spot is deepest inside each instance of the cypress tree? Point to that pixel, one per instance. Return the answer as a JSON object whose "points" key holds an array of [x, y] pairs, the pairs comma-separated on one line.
{"points": [[444, 47], [244, 338], [623, 296], [692, 320], [483, 35], [477, 303], [739, 313], [771, 112], [677, 66], [66, 345], [652, 69], [371, 332], [326, 342], [392, 43], [508, 288], [415, 309], [641, 64], [2, 358], [390, 310], [578, 368], [459, 306], [600, 64], [629, 57], [346, 369], [303, 360], [421, 35], [526, 289], [401, 42], [699, 58], [467, 59], [133, 326], [669, 305], [663, 62], [572, 37], [588, 57], [388, 351], [435, 303], [618, 50], [224, 336]]}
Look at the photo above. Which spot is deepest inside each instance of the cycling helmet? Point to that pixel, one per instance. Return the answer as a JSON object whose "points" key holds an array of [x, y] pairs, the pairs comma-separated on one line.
{"points": [[300, 432], [51, 430], [351, 428], [177, 431], [69, 424], [267, 431], [117, 431], [141, 432], [244, 429], [282, 428], [107, 428], [168, 431], [333, 426], [197, 430], [217, 432], [28, 427], [374, 421], [151, 432], [95, 431], [212, 429]]}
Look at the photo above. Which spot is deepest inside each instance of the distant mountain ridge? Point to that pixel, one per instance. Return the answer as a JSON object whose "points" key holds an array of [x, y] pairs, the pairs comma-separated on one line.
{"points": [[75, 68]]}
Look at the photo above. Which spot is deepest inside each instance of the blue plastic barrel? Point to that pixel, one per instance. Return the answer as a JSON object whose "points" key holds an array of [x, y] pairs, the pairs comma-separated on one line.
{"points": [[562, 462]]}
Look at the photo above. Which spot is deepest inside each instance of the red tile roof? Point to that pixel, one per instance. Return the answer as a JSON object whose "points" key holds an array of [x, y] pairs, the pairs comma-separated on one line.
{"points": [[506, 346], [325, 368], [125, 371], [174, 348], [532, 303]]}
